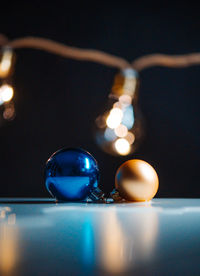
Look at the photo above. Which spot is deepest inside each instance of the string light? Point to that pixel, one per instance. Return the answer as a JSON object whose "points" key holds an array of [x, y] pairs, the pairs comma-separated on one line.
{"points": [[119, 128], [118, 133]]}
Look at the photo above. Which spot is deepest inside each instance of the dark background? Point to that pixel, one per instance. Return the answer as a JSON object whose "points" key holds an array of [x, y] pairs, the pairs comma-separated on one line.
{"points": [[57, 99]]}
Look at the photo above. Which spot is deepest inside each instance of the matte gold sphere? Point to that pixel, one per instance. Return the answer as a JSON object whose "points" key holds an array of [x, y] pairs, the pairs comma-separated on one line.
{"points": [[136, 180]]}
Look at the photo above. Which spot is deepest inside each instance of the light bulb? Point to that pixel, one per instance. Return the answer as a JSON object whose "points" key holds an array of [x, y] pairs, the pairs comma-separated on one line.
{"points": [[7, 108], [6, 62], [118, 129]]}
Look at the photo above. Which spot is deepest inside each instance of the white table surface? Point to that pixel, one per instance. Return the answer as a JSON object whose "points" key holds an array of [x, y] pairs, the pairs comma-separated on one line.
{"points": [[39, 237]]}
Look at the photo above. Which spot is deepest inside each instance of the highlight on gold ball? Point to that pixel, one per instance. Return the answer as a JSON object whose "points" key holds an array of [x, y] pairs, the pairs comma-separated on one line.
{"points": [[135, 180]]}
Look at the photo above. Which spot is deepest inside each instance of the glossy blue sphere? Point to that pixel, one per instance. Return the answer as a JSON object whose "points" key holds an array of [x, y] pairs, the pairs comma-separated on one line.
{"points": [[71, 174]]}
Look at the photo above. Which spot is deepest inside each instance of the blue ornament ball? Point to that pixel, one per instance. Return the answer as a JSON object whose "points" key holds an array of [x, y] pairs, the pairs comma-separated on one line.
{"points": [[71, 174]]}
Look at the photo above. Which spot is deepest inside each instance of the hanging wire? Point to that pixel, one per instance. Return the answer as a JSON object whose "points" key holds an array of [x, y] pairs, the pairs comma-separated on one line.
{"points": [[139, 64]]}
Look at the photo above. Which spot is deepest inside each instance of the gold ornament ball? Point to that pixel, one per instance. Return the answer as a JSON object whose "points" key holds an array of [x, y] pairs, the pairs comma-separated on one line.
{"points": [[136, 180]]}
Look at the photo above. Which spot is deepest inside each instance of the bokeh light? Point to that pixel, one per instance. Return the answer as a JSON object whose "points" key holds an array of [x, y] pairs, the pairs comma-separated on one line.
{"points": [[122, 146], [121, 131], [130, 137], [9, 112], [6, 62], [6, 93], [115, 117]]}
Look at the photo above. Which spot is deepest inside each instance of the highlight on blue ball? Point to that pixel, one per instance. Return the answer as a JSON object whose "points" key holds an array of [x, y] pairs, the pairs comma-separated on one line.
{"points": [[71, 174]]}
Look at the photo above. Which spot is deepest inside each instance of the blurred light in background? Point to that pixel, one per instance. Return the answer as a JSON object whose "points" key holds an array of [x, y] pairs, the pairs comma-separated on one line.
{"points": [[6, 62], [9, 112], [7, 109], [118, 129], [114, 118], [6, 93], [122, 146]]}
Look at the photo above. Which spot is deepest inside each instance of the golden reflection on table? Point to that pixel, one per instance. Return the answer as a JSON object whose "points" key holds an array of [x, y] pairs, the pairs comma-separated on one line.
{"points": [[126, 241], [8, 241]]}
